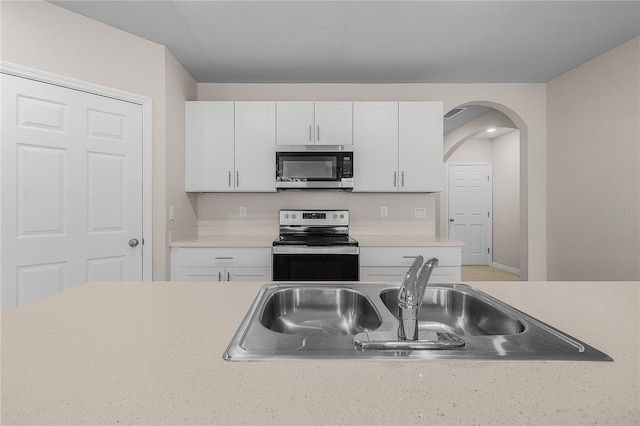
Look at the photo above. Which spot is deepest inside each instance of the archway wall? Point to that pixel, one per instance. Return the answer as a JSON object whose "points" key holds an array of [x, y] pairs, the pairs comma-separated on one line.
{"points": [[524, 104], [457, 137]]}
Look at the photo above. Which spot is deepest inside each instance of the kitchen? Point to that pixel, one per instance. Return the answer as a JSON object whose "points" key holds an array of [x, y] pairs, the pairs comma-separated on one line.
{"points": [[46, 37]]}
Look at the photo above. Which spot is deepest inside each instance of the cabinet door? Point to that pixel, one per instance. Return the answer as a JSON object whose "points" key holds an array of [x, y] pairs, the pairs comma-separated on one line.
{"points": [[420, 146], [334, 123], [255, 147], [209, 146], [294, 123], [375, 140]]}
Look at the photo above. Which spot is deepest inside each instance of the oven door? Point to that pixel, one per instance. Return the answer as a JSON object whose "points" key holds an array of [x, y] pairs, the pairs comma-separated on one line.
{"points": [[316, 265]]}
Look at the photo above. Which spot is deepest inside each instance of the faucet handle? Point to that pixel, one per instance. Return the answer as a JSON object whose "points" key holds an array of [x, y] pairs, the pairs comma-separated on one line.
{"points": [[408, 286], [425, 273]]}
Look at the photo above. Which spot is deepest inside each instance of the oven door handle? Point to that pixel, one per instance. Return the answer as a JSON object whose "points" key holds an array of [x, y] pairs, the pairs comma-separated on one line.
{"points": [[315, 250]]}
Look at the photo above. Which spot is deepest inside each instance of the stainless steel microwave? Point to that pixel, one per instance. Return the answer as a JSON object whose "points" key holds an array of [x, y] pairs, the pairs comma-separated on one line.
{"points": [[314, 167]]}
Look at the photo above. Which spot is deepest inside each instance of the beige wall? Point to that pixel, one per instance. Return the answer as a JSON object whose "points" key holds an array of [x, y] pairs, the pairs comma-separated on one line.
{"points": [[364, 209], [180, 87], [45, 37], [506, 199], [593, 169], [456, 138], [473, 150], [524, 104]]}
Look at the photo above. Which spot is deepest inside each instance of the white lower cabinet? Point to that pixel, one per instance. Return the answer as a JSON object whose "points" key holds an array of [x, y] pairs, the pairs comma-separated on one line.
{"points": [[220, 264], [392, 263]]}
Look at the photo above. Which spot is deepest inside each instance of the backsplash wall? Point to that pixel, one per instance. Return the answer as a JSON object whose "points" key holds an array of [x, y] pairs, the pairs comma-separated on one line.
{"points": [[262, 208]]}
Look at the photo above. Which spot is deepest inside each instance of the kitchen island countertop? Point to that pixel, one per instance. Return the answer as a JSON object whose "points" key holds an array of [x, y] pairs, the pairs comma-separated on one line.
{"points": [[151, 353]]}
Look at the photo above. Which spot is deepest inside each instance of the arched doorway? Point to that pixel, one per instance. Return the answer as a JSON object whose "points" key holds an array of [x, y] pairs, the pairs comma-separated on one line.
{"points": [[495, 223]]}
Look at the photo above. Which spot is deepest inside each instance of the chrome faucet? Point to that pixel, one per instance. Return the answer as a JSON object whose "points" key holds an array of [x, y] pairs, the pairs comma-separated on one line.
{"points": [[410, 297]]}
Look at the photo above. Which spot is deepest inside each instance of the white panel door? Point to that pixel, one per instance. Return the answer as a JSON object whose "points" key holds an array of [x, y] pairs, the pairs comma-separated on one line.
{"points": [[375, 142], [71, 189], [470, 211]]}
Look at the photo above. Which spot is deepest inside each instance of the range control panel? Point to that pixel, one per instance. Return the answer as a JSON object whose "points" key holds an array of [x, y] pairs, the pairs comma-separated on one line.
{"points": [[314, 217]]}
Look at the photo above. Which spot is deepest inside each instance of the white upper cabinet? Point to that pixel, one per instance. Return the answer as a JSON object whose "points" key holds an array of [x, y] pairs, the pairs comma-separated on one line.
{"points": [[375, 137], [295, 123], [398, 146], [334, 123], [230, 146], [314, 123], [255, 147], [209, 146], [420, 143]]}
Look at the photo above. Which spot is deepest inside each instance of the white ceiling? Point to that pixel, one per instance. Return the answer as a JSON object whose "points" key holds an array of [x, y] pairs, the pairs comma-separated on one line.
{"points": [[374, 41]]}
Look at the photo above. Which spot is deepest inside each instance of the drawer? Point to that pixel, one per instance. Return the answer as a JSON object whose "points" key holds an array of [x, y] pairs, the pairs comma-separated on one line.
{"points": [[214, 256], [395, 274], [200, 274], [404, 256]]}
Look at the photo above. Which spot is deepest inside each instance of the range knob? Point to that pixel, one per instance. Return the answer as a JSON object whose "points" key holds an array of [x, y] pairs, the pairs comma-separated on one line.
{"points": [[341, 215], [335, 215], [293, 215]]}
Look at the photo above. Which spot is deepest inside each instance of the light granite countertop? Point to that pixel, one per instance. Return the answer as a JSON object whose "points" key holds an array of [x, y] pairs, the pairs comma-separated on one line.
{"points": [[151, 353], [263, 236]]}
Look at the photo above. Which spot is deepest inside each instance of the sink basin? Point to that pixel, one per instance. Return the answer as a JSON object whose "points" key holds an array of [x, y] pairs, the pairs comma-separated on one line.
{"points": [[359, 321], [460, 313], [313, 311]]}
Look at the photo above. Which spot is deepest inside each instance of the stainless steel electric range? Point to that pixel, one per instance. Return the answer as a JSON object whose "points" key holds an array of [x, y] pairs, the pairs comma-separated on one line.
{"points": [[315, 245]]}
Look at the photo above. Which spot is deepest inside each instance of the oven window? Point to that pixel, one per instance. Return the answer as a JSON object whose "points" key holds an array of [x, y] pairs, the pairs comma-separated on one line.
{"points": [[313, 167], [315, 267]]}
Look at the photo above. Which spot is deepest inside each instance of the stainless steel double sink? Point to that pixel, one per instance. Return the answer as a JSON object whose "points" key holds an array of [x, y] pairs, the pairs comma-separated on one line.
{"points": [[329, 321]]}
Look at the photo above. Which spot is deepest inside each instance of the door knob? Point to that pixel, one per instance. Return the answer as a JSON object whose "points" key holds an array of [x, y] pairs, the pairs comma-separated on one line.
{"points": [[133, 242]]}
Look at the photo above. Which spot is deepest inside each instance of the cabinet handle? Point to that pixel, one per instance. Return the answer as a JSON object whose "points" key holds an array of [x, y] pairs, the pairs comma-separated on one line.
{"points": [[310, 130], [228, 276], [223, 257], [318, 133], [229, 178], [237, 179], [402, 179], [395, 179], [409, 257], [219, 276]]}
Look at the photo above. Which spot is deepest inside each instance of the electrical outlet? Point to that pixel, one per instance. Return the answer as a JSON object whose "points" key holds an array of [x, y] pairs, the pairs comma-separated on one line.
{"points": [[383, 211], [420, 213], [243, 211], [172, 212]]}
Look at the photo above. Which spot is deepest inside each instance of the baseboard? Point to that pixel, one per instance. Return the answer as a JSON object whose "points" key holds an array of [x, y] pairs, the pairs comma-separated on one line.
{"points": [[505, 268]]}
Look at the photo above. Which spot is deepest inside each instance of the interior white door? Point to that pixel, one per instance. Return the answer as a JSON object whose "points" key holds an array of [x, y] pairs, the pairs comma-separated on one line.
{"points": [[71, 189], [470, 211]]}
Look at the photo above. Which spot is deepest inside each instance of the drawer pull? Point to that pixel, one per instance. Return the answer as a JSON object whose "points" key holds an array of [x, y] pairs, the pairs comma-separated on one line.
{"points": [[409, 257], [224, 257]]}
